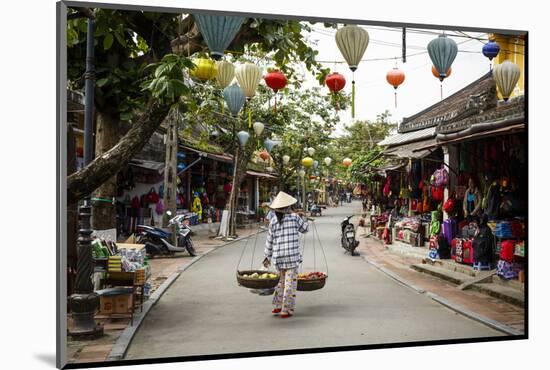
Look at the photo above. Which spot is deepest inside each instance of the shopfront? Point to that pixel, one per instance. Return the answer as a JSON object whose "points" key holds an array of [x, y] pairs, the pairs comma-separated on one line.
{"points": [[466, 174]]}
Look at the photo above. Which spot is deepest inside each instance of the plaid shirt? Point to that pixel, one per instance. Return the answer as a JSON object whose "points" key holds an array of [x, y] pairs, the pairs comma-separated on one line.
{"points": [[282, 246]]}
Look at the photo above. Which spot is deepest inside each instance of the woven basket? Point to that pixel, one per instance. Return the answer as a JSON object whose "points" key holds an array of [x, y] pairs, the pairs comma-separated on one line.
{"points": [[309, 285], [254, 283]]}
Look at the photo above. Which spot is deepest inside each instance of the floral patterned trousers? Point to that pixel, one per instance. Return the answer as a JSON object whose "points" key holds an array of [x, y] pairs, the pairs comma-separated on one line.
{"points": [[285, 293]]}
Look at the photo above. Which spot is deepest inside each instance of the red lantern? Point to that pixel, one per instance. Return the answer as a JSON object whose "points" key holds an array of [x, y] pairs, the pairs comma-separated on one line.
{"points": [[395, 77], [335, 82], [277, 81]]}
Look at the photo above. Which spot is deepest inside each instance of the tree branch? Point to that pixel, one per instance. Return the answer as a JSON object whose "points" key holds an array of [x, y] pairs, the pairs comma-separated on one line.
{"points": [[85, 181]]}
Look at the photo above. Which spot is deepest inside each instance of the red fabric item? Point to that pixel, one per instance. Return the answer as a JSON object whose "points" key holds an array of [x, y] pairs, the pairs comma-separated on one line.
{"points": [[449, 205], [467, 252], [507, 250], [437, 193]]}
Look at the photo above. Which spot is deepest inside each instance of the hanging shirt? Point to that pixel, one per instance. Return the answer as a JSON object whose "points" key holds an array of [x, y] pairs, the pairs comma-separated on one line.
{"points": [[282, 245]]}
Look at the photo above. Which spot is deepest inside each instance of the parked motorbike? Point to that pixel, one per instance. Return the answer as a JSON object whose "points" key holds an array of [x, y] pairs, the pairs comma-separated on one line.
{"points": [[349, 243], [314, 209], [158, 241]]}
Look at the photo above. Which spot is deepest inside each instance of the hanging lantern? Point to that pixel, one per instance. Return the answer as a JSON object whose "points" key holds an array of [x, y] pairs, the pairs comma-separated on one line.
{"points": [[234, 98], [269, 144], [302, 173], [315, 164], [205, 69], [442, 51], [335, 82], [490, 49], [436, 74], [181, 156], [286, 159], [506, 76], [264, 155], [258, 128], [225, 74], [218, 31], [181, 167], [243, 137], [346, 162], [276, 80], [395, 77], [311, 151], [307, 162], [249, 76], [328, 161], [352, 42]]}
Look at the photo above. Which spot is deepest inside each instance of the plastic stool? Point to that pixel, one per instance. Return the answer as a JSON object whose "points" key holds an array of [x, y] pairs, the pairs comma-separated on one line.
{"points": [[482, 266]]}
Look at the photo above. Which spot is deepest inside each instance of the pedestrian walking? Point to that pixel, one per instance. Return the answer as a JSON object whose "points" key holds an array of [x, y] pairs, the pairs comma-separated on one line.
{"points": [[282, 250]]}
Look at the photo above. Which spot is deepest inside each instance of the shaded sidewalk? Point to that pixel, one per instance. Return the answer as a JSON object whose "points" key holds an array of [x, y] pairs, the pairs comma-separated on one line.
{"points": [[162, 269]]}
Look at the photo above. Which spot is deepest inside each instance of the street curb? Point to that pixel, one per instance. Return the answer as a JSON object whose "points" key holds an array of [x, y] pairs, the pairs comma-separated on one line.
{"points": [[455, 307], [123, 342]]}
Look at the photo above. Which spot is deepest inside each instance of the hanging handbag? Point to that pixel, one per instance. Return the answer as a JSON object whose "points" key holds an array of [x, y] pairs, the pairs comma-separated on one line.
{"points": [[159, 209], [437, 193], [152, 196]]}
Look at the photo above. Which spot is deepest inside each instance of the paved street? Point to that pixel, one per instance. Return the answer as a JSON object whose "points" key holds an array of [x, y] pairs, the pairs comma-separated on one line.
{"points": [[206, 312]]}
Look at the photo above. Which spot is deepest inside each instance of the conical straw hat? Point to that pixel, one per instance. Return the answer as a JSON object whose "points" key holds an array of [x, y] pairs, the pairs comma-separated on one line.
{"points": [[283, 200]]}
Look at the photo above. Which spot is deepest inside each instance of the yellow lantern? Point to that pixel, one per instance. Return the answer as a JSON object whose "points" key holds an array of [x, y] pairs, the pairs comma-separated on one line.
{"points": [[205, 69], [307, 162]]}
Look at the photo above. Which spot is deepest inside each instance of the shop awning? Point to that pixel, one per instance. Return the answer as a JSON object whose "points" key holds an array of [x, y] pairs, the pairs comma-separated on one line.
{"points": [[216, 157], [148, 165], [260, 174], [408, 137], [413, 150], [477, 135]]}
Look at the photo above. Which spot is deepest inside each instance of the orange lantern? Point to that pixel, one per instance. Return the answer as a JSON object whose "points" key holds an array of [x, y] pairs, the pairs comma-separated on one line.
{"points": [[346, 162], [264, 155], [436, 73], [395, 77]]}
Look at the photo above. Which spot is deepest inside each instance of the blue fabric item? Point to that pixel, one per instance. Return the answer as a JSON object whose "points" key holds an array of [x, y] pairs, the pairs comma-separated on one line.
{"points": [[218, 31], [504, 229]]}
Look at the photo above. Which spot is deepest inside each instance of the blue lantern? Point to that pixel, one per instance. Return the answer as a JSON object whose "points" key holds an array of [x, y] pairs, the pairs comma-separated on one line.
{"points": [[234, 97], [218, 31], [181, 156], [269, 144], [181, 167], [442, 51], [491, 49], [243, 137]]}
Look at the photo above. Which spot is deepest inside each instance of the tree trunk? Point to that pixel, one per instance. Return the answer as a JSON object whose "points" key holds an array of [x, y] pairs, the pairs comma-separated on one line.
{"points": [[105, 166], [103, 211], [242, 157], [170, 171]]}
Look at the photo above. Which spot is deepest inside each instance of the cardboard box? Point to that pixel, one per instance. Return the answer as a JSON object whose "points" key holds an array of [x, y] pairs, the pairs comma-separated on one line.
{"points": [[106, 305], [123, 303]]}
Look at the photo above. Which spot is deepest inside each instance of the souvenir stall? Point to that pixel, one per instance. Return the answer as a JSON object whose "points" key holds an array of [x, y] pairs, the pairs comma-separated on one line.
{"points": [[486, 208]]}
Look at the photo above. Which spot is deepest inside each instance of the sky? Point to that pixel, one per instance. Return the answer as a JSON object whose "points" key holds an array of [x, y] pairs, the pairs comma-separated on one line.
{"points": [[419, 90]]}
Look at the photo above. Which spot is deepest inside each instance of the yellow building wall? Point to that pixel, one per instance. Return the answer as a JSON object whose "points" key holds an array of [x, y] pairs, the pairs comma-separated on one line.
{"points": [[513, 49]]}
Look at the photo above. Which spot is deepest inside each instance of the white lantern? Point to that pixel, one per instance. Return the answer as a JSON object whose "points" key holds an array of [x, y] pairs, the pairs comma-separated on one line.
{"points": [[506, 76], [311, 151], [302, 173], [328, 161], [258, 128], [286, 159]]}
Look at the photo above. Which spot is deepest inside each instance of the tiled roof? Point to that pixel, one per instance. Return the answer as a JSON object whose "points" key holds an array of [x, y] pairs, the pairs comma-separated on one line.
{"points": [[408, 137]]}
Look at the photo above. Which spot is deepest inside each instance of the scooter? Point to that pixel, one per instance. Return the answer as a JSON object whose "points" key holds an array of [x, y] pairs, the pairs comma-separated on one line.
{"points": [[349, 243], [314, 209], [158, 241]]}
